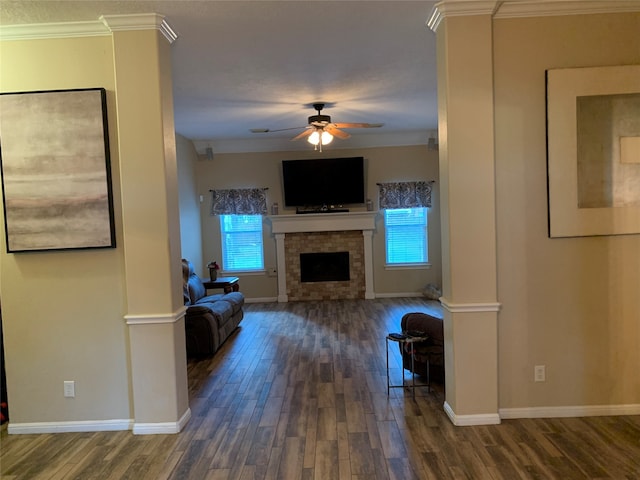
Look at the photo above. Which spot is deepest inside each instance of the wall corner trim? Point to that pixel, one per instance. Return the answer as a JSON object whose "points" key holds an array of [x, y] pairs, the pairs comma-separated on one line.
{"points": [[468, 420]]}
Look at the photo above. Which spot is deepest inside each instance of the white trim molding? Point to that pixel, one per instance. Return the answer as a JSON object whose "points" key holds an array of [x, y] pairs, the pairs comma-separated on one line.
{"points": [[468, 420], [66, 427], [142, 21], [469, 307], [163, 427], [570, 411], [106, 25], [460, 8], [53, 30], [545, 8], [156, 318], [526, 8]]}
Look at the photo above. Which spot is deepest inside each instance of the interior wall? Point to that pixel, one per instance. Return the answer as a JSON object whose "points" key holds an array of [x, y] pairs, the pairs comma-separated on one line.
{"points": [[388, 164], [189, 201], [571, 304], [63, 310]]}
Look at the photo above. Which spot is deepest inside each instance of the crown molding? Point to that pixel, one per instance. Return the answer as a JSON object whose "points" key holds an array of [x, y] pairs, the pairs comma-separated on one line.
{"points": [[53, 30], [106, 25], [144, 21], [526, 8], [460, 8], [543, 8]]}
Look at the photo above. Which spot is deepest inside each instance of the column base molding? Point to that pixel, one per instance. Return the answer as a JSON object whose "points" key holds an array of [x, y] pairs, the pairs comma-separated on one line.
{"points": [[162, 427], [468, 420]]}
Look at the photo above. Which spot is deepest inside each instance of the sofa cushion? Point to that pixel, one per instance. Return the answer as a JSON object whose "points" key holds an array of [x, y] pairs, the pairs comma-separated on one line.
{"points": [[196, 289], [210, 298], [221, 311], [236, 299]]}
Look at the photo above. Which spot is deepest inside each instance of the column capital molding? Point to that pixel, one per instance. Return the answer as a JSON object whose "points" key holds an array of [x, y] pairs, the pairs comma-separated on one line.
{"points": [[143, 21], [526, 8]]}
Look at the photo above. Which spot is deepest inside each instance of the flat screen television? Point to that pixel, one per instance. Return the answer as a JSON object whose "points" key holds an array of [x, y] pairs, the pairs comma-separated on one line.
{"points": [[323, 182]]}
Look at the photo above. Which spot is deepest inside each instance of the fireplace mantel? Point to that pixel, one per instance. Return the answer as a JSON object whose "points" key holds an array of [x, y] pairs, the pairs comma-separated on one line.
{"points": [[324, 222]]}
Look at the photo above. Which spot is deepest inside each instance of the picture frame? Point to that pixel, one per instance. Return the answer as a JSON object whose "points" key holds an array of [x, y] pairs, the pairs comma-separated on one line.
{"points": [[593, 151], [56, 171]]}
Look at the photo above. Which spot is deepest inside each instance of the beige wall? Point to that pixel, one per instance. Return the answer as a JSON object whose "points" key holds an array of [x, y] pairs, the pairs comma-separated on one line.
{"points": [[264, 170], [189, 200], [63, 311], [571, 304]]}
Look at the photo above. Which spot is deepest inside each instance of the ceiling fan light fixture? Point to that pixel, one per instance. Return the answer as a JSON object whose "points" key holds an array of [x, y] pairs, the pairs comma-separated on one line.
{"points": [[314, 138], [320, 137]]}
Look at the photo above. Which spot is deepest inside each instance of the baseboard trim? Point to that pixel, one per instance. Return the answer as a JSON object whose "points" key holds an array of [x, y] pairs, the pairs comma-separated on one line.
{"points": [[399, 295], [468, 420], [163, 427], [67, 427], [570, 411], [261, 300]]}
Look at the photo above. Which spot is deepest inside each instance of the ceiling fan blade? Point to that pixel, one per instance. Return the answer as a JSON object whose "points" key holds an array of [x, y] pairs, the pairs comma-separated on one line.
{"points": [[359, 125], [336, 133], [306, 133], [268, 130]]}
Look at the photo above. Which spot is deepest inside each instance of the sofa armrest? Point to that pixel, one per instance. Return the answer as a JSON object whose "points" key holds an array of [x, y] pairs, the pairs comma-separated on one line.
{"points": [[201, 331]]}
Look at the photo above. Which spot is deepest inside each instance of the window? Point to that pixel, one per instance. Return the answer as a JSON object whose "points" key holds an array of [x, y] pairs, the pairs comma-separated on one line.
{"points": [[406, 236], [241, 242]]}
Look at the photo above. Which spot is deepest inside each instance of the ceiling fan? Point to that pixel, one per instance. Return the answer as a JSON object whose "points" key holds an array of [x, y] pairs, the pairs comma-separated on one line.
{"points": [[321, 130]]}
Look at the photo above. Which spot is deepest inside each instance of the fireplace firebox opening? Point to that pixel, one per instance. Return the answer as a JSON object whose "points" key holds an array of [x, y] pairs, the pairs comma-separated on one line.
{"points": [[324, 267]]}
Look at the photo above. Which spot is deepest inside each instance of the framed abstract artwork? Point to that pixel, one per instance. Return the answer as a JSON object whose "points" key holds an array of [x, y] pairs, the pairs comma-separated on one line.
{"points": [[56, 173], [593, 151]]}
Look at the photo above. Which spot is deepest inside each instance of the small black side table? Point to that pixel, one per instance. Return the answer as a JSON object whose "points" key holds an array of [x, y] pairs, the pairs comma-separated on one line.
{"points": [[404, 339], [228, 284]]}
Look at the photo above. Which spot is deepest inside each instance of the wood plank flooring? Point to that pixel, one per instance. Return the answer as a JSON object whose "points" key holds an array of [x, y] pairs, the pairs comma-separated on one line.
{"points": [[299, 392]]}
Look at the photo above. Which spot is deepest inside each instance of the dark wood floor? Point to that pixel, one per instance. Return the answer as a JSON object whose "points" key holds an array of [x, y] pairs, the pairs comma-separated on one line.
{"points": [[299, 392]]}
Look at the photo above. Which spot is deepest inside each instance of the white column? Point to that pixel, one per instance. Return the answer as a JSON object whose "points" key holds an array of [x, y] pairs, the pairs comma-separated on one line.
{"points": [[367, 236], [282, 269]]}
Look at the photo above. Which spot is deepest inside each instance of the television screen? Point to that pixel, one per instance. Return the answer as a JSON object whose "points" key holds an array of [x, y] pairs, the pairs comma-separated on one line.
{"points": [[326, 181]]}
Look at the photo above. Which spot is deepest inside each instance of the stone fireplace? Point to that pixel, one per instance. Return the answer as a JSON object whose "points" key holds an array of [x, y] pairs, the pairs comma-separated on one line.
{"points": [[330, 233], [297, 244]]}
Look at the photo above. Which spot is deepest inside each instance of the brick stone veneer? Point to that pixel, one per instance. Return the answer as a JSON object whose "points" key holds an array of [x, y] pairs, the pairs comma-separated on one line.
{"points": [[325, 242]]}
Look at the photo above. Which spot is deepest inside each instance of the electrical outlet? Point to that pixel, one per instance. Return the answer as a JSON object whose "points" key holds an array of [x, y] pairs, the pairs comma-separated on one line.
{"points": [[539, 373], [69, 388]]}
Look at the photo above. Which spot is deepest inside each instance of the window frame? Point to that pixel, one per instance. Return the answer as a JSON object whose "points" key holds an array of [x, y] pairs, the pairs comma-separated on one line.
{"points": [[406, 265], [223, 233]]}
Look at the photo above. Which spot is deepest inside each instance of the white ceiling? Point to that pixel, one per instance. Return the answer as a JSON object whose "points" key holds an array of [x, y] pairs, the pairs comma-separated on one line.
{"points": [[239, 65]]}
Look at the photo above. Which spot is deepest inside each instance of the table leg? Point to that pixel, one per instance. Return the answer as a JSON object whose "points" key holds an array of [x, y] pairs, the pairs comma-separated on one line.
{"points": [[388, 383]]}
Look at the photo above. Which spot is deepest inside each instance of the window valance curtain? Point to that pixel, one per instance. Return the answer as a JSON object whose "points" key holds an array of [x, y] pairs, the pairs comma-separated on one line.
{"points": [[239, 201], [405, 194]]}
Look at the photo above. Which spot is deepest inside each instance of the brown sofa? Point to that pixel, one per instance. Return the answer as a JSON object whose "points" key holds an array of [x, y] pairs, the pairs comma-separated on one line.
{"points": [[210, 319], [431, 350]]}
